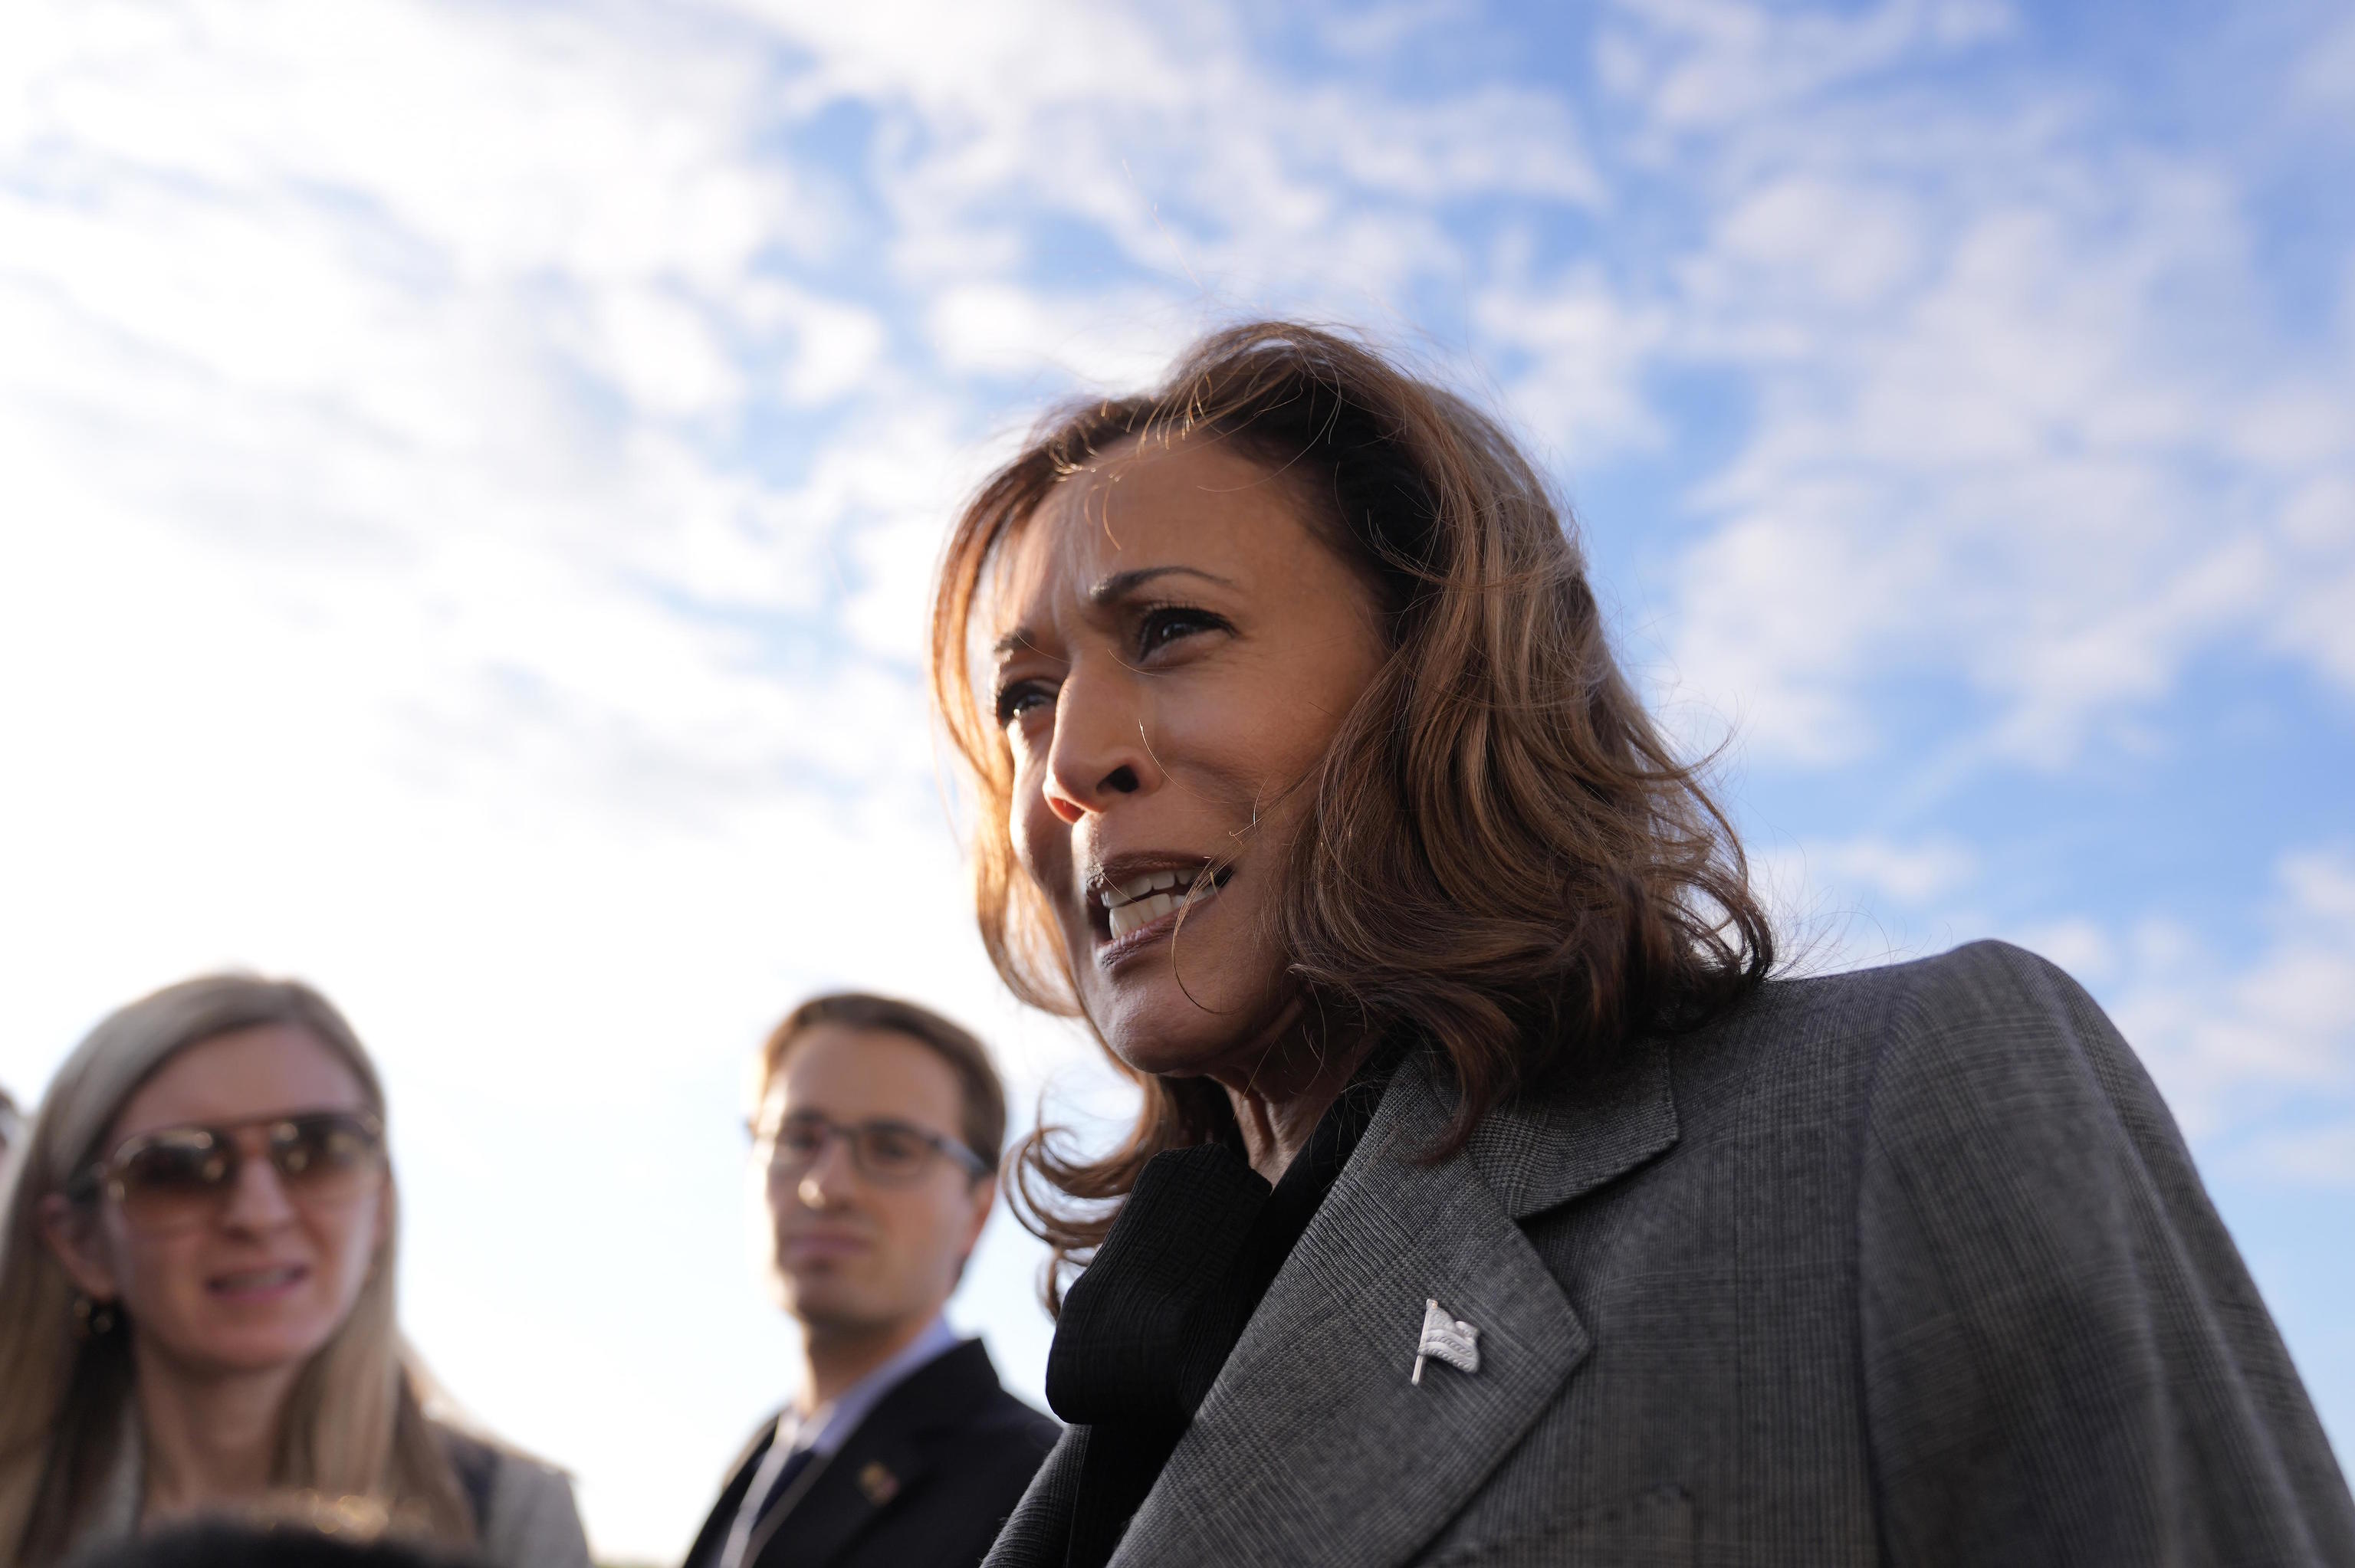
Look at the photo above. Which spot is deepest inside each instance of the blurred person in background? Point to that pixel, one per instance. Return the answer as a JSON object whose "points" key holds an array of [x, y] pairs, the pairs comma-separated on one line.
{"points": [[197, 1295], [1487, 1199], [874, 1140], [321, 1538], [12, 1132]]}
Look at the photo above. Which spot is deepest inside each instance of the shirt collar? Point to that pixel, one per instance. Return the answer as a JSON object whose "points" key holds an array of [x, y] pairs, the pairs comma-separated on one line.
{"points": [[826, 1429]]}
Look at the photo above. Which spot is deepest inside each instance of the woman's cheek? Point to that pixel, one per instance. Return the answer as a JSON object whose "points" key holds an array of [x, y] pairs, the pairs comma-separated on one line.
{"points": [[163, 1282], [1034, 831]]}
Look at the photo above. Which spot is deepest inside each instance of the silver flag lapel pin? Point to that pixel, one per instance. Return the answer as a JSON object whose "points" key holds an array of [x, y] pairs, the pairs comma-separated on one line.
{"points": [[1446, 1339]]}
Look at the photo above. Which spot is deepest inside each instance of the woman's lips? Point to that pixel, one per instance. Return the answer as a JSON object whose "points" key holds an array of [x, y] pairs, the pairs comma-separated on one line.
{"points": [[268, 1283], [1141, 921]]}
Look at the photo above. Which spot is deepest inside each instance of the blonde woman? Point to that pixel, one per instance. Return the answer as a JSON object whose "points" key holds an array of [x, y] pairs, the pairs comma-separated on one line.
{"points": [[196, 1290]]}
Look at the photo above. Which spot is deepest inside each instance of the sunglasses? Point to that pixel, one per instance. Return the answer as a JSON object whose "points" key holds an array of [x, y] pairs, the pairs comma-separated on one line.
{"points": [[181, 1176], [885, 1152]]}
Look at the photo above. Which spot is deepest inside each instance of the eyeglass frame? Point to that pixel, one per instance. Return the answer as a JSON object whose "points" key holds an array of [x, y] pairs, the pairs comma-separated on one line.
{"points": [[102, 1177], [954, 1149]]}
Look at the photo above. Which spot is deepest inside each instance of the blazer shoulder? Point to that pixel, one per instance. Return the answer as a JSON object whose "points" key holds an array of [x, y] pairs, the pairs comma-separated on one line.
{"points": [[957, 1404], [1976, 975], [1851, 1048], [1007, 1417], [1996, 1067], [1980, 987], [1997, 1014], [532, 1520]]}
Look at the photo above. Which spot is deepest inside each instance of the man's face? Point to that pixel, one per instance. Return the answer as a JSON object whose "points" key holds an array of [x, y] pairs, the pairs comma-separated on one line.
{"points": [[851, 1254]]}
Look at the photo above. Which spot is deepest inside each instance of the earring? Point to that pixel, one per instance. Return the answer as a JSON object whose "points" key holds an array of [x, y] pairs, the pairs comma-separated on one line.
{"points": [[93, 1318]]}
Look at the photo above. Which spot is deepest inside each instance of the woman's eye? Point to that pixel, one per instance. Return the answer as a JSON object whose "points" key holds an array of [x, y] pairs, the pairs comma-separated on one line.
{"points": [[1021, 698], [1160, 628]]}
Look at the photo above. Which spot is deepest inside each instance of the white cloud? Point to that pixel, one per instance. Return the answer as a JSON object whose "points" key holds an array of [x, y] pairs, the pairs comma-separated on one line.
{"points": [[2231, 1044], [1706, 63], [2021, 420], [661, 354], [2321, 1156], [2324, 80], [1588, 350]]}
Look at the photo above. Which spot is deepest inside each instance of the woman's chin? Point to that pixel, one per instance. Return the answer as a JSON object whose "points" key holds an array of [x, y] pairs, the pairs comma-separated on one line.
{"points": [[1154, 1036], [1158, 1028]]}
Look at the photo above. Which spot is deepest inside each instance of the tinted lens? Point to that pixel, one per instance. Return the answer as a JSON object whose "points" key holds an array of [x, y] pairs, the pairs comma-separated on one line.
{"points": [[889, 1152], [324, 1156], [176, 1179]]}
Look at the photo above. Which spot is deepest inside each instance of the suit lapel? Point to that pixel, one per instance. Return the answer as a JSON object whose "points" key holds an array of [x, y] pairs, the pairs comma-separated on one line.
{"points": [[885, 1456], [1313, 1446], [834, 1500], [712, 1539]]}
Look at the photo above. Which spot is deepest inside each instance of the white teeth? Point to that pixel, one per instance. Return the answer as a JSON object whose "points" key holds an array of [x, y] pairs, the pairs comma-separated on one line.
{"points": [[1136, 887], [1143, 910]]}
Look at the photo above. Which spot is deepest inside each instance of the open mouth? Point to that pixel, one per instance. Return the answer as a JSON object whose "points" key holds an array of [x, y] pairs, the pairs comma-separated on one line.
{"points": [[1122, 905]]}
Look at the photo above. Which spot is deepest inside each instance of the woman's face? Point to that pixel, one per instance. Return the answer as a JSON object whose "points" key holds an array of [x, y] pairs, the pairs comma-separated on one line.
{"points": [[267, 1274], [1175, 649]]}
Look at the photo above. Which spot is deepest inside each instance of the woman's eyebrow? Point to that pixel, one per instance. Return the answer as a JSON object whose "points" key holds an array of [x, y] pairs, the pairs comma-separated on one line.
{"points": [[1014, 642], [1120, 585], [1109, 592]]}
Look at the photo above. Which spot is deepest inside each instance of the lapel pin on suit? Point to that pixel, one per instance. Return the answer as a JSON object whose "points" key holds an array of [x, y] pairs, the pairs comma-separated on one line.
{"points": [[1446, 1339], [879, 1483]]}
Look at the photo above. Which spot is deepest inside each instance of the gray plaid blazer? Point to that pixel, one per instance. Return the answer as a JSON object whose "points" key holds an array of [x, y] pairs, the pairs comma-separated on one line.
{"points": [[1905, 1267]]}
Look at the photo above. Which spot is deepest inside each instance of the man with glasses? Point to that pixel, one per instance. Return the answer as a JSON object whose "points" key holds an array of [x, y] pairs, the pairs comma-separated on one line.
{"points": [[878, 1127]]}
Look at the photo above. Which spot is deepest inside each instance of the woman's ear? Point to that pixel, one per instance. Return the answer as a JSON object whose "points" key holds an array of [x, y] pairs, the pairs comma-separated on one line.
{"points": [[72, 1235]]}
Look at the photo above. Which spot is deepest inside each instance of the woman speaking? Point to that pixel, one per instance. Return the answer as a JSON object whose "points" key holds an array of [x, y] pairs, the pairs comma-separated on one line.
{"points": [[197, 1293], [1488, 1203]]}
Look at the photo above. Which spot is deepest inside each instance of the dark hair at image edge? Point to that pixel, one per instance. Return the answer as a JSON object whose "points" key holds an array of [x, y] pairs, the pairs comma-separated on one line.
{"points": [[1502, 858]]}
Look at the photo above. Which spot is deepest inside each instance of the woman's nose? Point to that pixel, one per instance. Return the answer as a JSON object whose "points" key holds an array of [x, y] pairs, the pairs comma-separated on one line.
{"points": [[1100, 750], [256, 1198]]}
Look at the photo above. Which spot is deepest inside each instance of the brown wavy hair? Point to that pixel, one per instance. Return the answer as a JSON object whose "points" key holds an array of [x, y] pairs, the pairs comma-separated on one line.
{"points": [[1502, 859]]}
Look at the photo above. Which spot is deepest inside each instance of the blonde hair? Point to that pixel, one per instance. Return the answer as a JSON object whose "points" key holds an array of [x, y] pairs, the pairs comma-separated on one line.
{"points": [[353, 1425]]}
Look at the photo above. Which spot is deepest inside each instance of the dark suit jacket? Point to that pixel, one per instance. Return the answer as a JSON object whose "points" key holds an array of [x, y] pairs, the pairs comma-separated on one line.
{"points": [[1902, 1267], [924, 1482]]}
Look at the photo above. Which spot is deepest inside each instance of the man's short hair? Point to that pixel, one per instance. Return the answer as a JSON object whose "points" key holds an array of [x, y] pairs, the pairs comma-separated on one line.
{"points": [[982, 1124]]}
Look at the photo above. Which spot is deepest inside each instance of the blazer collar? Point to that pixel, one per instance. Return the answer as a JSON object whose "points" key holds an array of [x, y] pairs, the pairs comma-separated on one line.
{"points": [[835, 1499], [1314, 1445], [1545, 1150]]}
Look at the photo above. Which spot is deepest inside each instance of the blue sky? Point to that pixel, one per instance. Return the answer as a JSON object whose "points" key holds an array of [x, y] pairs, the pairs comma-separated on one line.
{"points": [[473, 472]]}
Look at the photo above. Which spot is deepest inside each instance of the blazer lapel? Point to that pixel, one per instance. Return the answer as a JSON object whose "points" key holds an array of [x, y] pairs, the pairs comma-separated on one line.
{"points": [[835, 1499], [712, 1539], [1039, 1533], [1313, 1446]]}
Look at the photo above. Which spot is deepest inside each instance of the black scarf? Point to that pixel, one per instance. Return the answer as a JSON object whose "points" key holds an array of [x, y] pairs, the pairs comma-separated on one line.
{"points": [[1145, 1329]]}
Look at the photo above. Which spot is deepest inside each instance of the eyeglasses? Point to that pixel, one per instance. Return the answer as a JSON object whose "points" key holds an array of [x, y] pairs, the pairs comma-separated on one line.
{"points": [[887, 1152], [182, 1176]]}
